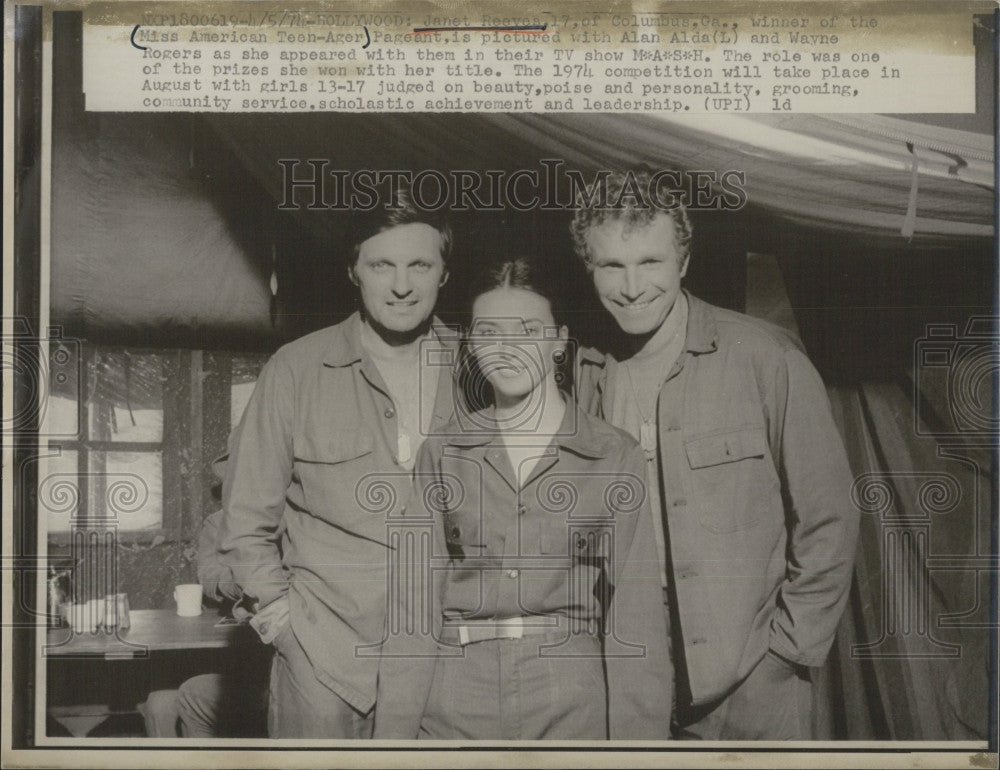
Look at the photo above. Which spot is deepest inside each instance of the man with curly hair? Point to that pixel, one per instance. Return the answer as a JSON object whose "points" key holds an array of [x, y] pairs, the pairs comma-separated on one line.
{"points": [[745, 465]]}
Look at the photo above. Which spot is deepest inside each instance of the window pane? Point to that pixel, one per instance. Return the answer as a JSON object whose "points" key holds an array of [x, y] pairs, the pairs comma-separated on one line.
{"points": [[128, 487], [60, 411], [246, 370], [126, 402], [58, 491]]}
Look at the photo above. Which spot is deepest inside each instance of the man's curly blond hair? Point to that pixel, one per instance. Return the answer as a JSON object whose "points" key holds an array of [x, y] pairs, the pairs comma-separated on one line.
{"points": [[621, 203]]}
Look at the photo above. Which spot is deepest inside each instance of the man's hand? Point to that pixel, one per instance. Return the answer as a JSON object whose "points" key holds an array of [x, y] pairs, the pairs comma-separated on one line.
{"points": [[271, 620], [241, 613]]}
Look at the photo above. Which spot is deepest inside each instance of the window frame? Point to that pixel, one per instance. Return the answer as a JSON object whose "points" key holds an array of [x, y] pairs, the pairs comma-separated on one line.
{"points": [[180, 446]]}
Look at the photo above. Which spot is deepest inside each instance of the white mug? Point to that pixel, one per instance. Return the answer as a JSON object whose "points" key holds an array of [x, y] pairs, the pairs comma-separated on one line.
{"points": [[188, 598], [86, 617], [79, 618]]}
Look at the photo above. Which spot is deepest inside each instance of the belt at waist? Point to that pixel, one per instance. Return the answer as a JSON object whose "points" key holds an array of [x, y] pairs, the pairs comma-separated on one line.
{"points": [[507, 628]]}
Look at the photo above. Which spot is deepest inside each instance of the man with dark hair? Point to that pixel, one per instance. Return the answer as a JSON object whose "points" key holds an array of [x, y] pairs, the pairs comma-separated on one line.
{"points": [[338, 406], [745, 465]]}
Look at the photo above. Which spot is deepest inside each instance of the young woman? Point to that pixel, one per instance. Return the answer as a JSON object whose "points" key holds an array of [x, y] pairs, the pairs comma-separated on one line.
{"points": [[547, 618]]}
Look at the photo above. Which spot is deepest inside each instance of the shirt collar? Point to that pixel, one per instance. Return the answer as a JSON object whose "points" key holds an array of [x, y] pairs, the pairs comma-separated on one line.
{"points": [[592, 356], [344, 348], [702, 333], [575, 434]]}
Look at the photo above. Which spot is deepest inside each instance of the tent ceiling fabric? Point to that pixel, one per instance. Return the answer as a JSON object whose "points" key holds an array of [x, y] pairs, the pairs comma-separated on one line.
{"points": [[137, 244], [843, 172], [828, 171], [143, 239]]}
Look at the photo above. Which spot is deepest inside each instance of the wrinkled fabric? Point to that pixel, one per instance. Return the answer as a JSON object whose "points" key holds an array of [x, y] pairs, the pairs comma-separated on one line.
{"points": [[312, 468], [576, 543], [761, 530]]}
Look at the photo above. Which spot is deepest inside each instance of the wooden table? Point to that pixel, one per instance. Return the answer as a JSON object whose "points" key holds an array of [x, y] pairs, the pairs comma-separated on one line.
{"points": [[150, 631]]}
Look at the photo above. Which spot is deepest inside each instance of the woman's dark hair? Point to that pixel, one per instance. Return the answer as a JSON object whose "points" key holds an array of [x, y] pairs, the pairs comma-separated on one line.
{"points": [[539, 275], [394, 207]]}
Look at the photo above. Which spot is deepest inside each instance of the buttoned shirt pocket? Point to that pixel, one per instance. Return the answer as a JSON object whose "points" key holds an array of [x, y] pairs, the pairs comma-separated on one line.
{"points": [[583, 543], [560, 577], [732, 478], [332, 470], [463, 536]]}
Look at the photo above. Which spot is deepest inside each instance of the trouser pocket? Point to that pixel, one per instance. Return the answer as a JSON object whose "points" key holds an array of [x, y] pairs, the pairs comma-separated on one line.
{"points": [[773, 703]]}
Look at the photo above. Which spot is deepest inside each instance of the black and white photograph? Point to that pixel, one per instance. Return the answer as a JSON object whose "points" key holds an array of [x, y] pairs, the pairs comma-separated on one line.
{"points": [[475, 384]]}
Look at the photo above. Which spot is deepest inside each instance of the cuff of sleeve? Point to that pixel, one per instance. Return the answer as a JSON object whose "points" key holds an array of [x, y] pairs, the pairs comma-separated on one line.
{"points": [[266, 596], [270, 621]]}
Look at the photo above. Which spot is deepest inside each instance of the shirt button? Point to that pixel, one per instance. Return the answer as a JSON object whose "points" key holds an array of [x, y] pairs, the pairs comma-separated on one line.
{"points": [[512, 573], [521, 510], [390, 413]]}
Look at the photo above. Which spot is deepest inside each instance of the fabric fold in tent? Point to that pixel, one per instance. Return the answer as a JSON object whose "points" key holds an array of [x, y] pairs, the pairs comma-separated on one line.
{"points": [[814, 169], [140, 249], [911, 659]]}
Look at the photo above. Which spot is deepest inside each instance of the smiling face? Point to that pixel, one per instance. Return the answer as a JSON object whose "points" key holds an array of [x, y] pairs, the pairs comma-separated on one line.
{"points": [[514, 338], [637, 271], [399, 272]]}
